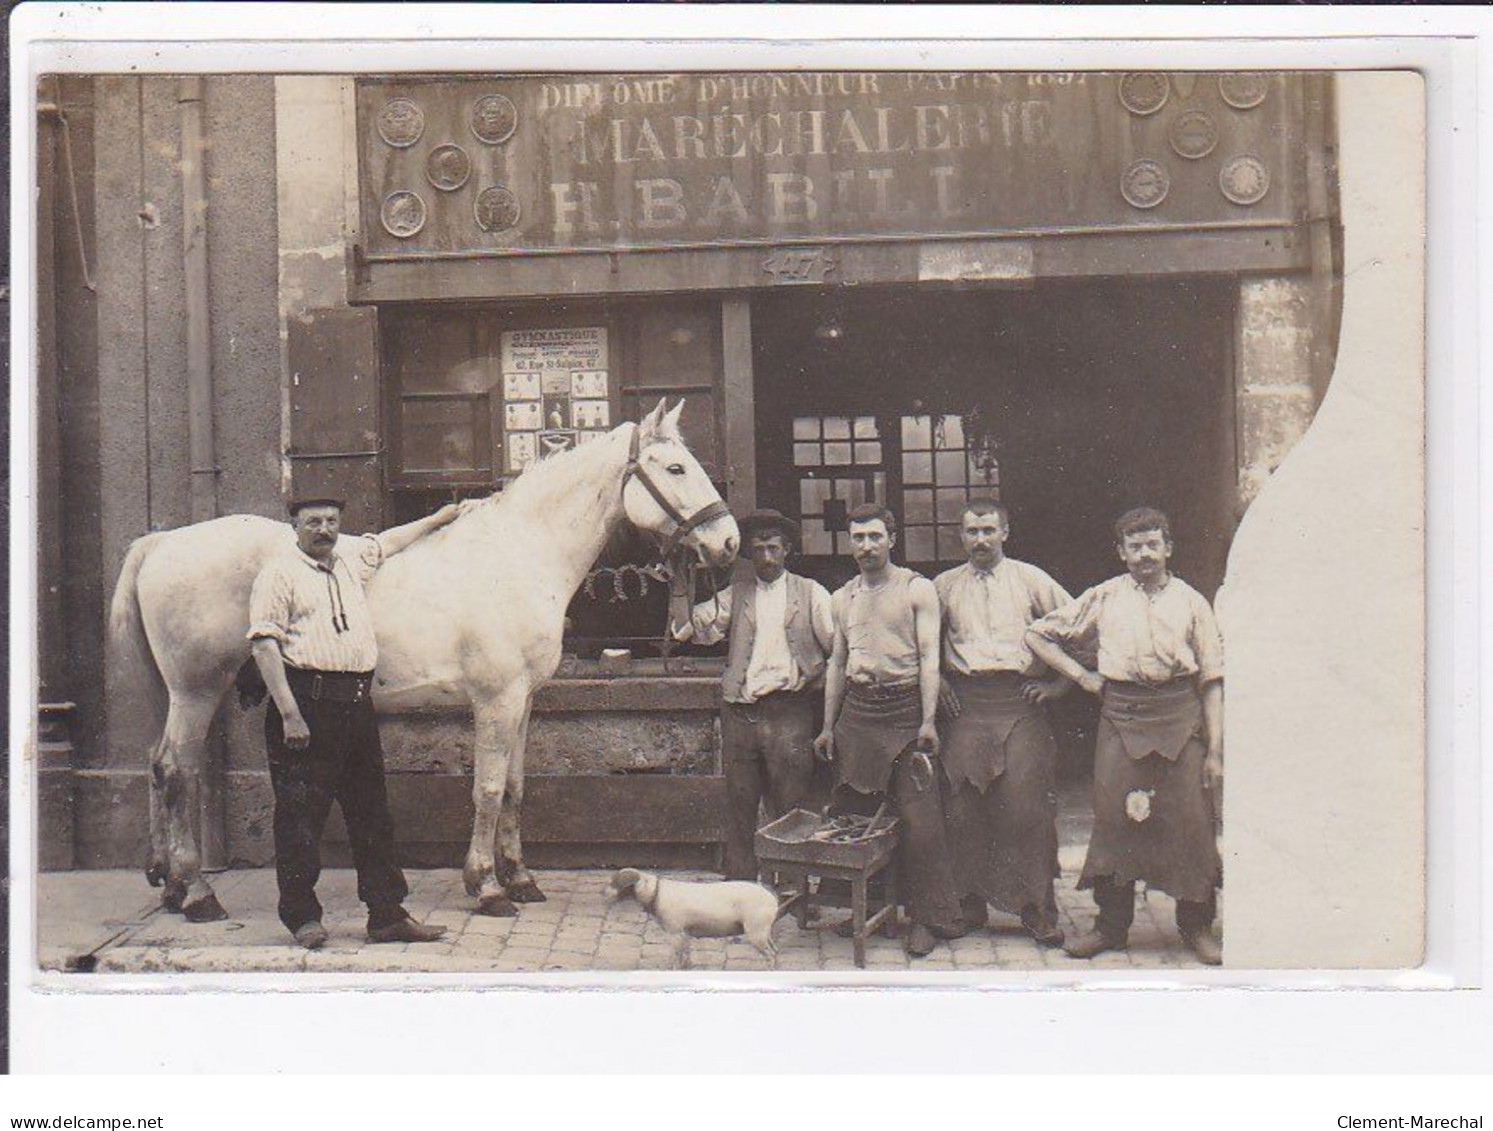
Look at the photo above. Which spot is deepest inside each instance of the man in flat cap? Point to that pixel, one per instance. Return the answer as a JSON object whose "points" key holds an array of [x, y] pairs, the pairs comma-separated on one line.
{"points": [[780, 636], [314, 645]]}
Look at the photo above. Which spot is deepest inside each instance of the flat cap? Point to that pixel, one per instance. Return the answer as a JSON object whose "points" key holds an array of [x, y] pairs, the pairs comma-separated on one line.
{"points": [[301, 502], [767, 521]]}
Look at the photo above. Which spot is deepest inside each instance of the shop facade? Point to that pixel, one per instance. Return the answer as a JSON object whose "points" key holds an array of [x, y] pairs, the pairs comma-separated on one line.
{"points": [[1078, 292]]}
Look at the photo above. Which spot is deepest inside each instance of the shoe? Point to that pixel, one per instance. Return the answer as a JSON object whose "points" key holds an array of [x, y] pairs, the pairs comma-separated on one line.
{"points": [[1208, 949], [974, 912], [405, 930], [1044, 933], [312, 935], [845, 929], [920, 941], [956, 931], [1093, 943]]}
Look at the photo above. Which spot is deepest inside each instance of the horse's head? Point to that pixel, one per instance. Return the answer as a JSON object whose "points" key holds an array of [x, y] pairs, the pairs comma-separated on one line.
{"points": [[668, 494]]}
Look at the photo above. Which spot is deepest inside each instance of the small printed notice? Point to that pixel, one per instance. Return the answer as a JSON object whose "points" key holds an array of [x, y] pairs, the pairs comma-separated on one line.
{"points": [[555, 389]]}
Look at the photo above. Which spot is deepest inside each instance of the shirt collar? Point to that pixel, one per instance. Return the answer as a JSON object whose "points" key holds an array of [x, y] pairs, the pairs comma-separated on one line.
{"points": [[330, 567], [780, 581], [976, 571]]}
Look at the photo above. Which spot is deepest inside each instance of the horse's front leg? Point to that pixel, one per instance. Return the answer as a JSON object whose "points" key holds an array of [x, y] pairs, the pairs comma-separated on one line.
{"points": [[499, 725], [177, 773], [520, 883]]}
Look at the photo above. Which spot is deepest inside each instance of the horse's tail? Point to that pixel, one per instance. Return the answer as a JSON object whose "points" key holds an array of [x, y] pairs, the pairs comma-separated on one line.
{"points": [[129, 649]]}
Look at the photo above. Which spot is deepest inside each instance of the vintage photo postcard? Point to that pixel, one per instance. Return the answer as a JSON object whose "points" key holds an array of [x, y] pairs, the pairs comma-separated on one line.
{"points": [[814, 526]]}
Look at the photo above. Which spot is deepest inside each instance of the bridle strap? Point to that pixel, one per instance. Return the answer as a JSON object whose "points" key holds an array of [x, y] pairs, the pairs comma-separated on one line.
{"points": [[682, 525]]}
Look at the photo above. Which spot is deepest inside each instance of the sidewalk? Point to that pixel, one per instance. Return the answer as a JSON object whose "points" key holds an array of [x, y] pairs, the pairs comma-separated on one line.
{"points": [[110, 921]]}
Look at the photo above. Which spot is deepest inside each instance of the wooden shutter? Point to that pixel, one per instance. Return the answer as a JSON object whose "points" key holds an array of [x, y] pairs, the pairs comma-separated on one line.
{"points": [[336, 442]]}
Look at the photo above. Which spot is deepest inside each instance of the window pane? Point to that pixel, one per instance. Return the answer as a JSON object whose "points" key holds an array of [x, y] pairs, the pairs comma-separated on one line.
{"points": [[917, 467], [951, 504], [950, 547], [853, 491], [868, 453], [918, 506], [836, 454], [676, 344], [806, 455], [439, 435], [806, 428], [837, 428], [811, 496], [950, 467], [816, 538], [916, 432], [865, 428], [953, 432], [920, 544], [842, 544], [878, 487]]}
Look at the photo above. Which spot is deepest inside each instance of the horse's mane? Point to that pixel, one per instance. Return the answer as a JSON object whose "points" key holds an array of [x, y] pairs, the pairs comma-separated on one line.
{"points": [[537, 473]]}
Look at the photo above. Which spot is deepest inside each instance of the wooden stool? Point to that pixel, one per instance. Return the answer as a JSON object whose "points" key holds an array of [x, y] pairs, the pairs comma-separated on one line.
{"points": [[785, 847]]}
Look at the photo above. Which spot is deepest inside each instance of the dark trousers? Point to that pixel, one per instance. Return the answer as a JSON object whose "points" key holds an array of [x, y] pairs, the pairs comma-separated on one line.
{"points": [[925, 868], [767, 750], [344, 763], [1117, 909]]}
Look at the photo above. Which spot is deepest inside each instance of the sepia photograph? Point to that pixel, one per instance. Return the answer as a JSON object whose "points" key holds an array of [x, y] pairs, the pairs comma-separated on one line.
{"points": [[786, 522]]}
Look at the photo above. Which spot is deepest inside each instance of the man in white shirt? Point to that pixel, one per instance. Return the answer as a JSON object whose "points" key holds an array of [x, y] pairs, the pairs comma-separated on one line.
{"points": [[999, 756], [314, 644], [780, 636]]}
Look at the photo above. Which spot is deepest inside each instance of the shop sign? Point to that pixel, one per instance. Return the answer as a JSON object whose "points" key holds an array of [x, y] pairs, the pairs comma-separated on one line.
{"points": [[616, 162]]}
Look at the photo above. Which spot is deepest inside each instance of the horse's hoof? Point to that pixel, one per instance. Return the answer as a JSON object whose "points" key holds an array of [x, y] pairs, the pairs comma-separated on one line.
{"points": [[174, 896], [499, 906], [155, 874], [526, 892], [207, 910]]}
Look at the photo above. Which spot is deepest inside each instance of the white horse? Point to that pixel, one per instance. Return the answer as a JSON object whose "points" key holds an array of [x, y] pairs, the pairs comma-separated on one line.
{"points": [[472, 614]]}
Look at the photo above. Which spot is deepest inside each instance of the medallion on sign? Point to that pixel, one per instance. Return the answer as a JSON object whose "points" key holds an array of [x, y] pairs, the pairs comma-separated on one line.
{"points": [[1244, 179], [1144, 92], [403, 213], [497, 209], [1145, 184], [448, 167], [494, 118], [1193, 134], [401, 122], [1243, 90]]}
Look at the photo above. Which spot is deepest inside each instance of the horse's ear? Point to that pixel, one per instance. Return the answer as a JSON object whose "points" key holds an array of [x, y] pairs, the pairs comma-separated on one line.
{"points": [[671, 421], [651, 424]]}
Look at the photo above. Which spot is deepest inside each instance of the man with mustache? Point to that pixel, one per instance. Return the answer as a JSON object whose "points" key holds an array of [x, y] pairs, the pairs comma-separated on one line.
{"points": [[999, 755], [314, 645], [1158, 765], [780, 636], [880, 706]]}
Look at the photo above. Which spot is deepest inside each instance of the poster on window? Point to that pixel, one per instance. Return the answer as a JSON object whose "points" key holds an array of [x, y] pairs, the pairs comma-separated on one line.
{"points": [[522, 416], [523, 449], [594, 415]]}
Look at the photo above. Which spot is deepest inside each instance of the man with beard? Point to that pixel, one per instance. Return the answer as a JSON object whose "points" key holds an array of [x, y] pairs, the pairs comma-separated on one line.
{"points": [[1159, 753], [780, 636], [999, 755], [880, 707], [314, 645]]}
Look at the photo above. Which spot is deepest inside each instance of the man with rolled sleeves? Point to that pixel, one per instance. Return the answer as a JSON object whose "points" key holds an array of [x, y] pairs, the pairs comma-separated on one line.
{"points": [[999, 755], [1158, 765], [780, 636], [313, 643], [880, 712]]}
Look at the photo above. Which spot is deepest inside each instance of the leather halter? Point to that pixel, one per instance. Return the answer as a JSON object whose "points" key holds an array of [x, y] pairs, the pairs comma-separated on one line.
{"points": [[682, 525]]}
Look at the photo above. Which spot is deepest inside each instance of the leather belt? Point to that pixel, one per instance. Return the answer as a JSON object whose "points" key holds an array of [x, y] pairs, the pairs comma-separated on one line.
{"points": [[878, 692], [334, 687], [1135, 688]]}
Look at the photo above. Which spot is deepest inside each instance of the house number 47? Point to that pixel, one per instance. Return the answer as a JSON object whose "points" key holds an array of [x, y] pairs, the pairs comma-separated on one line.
{"points": [[799, 265]]}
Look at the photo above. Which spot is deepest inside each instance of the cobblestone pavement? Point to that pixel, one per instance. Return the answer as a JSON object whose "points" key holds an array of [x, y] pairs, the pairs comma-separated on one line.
{"points": [[110, 921]]}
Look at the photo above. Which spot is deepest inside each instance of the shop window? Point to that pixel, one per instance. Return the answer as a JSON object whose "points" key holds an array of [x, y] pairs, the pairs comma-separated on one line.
{"points": [[940, 472], [839, 461]]}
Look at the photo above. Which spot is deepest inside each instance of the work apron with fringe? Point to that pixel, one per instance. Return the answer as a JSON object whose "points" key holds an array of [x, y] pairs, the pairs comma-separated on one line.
{"points": [[999, 757], [1153, 818], [875, 728]]}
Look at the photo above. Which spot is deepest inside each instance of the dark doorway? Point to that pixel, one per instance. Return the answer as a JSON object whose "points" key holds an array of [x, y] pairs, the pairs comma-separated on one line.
{"points": [[1070, 401]]}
